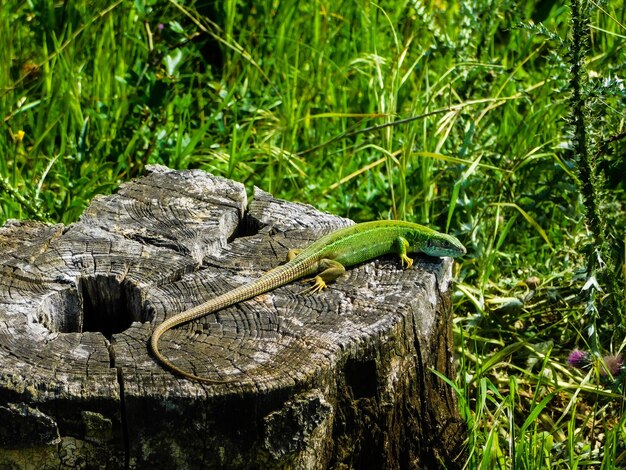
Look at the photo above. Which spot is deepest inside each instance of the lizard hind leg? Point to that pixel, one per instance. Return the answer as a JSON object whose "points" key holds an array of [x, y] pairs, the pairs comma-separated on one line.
{"points": [[290, 255], [329, 270], [293, 253]]}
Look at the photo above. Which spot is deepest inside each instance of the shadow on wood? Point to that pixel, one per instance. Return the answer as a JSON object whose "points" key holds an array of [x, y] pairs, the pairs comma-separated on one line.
{"points": [[341, 379]]}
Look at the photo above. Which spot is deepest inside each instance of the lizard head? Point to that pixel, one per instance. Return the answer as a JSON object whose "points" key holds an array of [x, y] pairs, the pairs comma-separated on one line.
{"points": [[441, 244]]}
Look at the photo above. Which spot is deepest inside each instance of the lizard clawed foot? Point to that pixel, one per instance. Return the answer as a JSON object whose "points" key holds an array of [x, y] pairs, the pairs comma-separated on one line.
{"points": [[405, 260], [318, 285]]}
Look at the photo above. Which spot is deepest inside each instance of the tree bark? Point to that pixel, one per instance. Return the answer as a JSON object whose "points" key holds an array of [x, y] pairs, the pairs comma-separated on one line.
{"points": [[340, 379]]}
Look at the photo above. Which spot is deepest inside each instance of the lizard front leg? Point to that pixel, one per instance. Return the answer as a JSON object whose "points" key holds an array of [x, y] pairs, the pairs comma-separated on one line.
{"points": [[402, 245]]}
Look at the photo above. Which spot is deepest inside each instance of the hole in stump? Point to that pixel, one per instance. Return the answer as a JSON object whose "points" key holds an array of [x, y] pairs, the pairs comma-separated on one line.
{"points": [[97, 303], [361, 377], [109, 306]]}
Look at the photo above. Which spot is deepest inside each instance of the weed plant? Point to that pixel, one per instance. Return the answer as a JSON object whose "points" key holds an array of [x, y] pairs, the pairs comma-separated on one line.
{"points": [[499, 121]]}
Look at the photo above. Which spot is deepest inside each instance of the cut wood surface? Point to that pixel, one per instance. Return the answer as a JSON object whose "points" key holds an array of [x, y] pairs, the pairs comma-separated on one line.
{"points": [[340, 379]]}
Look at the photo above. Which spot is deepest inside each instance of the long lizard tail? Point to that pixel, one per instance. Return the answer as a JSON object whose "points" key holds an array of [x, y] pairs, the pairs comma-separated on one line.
{"points": [[275, 278]]}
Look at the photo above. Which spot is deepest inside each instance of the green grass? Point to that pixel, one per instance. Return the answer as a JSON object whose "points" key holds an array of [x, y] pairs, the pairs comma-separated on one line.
{"points": [[454, 114]]}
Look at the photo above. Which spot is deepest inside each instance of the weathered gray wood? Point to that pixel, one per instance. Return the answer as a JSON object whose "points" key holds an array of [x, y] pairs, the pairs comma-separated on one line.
{"points": [[340, 379]]}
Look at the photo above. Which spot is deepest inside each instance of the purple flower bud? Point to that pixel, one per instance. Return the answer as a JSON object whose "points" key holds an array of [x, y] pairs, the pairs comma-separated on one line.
{"points": [[578, 359], [161, 27]]}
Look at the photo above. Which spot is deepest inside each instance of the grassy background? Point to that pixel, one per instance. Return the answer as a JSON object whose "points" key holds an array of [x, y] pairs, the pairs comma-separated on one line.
{"points": [[459, 115]]}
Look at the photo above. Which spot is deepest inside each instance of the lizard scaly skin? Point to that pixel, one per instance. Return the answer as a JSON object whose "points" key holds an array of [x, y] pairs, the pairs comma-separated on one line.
{"points": [[326, 258]]}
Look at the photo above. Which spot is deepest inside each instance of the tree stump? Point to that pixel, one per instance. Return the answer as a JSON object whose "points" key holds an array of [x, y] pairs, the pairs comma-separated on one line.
{"points": [[341, 379]]}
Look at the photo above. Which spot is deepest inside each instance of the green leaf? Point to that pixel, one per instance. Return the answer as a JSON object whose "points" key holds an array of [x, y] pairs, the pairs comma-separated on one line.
{"points": [[172, 61], [528, 218]]}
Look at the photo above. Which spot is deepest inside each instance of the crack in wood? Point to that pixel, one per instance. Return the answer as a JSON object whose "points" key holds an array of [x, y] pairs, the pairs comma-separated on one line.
{"points": [[77, 346]]}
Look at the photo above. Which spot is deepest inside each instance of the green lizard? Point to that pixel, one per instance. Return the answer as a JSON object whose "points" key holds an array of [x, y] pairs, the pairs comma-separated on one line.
{"points": [[327, 259]]}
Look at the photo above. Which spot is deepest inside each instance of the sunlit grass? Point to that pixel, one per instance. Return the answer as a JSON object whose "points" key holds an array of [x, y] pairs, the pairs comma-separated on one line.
{"points": [[449, 114]]}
